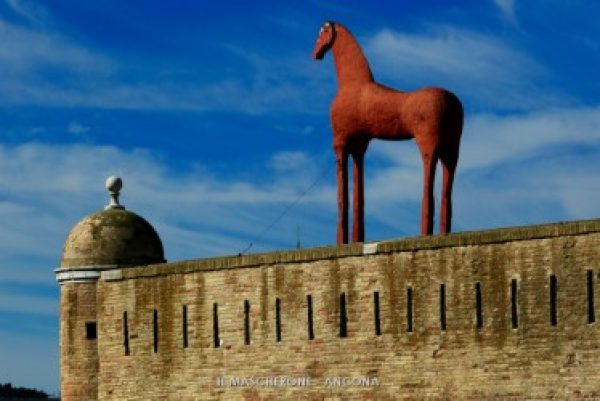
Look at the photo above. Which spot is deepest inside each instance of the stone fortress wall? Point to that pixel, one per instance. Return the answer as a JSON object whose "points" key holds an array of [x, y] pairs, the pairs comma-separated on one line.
{"points": [[500, 313]]}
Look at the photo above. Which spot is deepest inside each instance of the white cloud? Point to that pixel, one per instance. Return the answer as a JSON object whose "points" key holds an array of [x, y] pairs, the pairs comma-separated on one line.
{"points": [[491, 139], [308, 129], [295, 129], [37, 130], [31, 11], [256, 95], [25, 52], [290, 84], [480, 68], [519, 169], [289, 161], [77, 128], [507, 7], [195, 213]]}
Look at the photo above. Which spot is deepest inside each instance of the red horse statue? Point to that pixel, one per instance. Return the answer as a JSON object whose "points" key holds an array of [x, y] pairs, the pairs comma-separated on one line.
{"points": [[363, 110]]}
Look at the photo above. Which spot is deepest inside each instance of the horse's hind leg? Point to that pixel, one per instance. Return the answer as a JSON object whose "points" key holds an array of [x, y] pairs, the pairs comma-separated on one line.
{"points": [[358, 201], [342, 189], [449, 168]]}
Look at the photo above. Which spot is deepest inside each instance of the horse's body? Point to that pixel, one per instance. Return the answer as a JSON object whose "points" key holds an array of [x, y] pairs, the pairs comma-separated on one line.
{"points": [[363, 110]]}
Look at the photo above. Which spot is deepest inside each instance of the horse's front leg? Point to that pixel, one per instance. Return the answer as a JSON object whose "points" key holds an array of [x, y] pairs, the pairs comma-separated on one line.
{"points": [[342, 182], [427, 206], [358, 201]]}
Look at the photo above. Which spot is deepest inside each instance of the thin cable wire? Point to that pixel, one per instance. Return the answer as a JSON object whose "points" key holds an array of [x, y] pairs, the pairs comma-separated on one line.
{"points": [[286, 210]]}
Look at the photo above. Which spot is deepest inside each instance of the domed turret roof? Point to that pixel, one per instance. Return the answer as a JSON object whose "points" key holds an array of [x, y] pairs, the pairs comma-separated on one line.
{"points": [[112, 237]]}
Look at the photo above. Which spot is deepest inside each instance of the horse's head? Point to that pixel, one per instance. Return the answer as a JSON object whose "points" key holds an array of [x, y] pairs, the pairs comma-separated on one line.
{"points": [[324, 40]]}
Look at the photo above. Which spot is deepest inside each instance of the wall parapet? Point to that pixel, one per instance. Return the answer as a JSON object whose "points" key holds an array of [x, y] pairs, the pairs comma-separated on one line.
{"points": [[467, 238]]}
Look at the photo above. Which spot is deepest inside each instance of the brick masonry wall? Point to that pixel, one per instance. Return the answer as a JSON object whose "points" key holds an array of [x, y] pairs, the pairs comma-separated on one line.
{"points": [[79, 356], [535, 360]]}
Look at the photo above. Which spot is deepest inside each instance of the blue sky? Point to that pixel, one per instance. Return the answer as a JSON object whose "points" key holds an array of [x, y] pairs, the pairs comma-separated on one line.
{"points": [[217, 119]]}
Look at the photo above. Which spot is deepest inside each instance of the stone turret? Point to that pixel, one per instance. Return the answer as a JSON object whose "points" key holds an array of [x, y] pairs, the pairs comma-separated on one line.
{"points": [[110, 239]]}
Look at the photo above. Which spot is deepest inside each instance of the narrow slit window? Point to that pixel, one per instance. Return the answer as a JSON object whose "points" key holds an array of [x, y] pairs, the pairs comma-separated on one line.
{"points": [[155, 329], [185, 326], [443, 307], [125, 334], [590, 297], [91, 332], [513, 304], [246, 322], [216, 339], [409, 309], [343, 316], [311, 331], [553, 309], [478, 306], [278, 319], [376, 313]]}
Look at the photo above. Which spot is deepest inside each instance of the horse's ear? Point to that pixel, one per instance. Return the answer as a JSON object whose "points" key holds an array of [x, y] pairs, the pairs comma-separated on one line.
{"points": [[329, 25]]}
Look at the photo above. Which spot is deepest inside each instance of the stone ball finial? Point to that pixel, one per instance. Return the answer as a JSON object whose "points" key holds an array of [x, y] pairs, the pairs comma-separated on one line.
{"points": [[113, 186]]}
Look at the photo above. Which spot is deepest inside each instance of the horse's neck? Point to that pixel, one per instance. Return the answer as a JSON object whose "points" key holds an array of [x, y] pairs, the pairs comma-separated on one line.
{"points": [[350, 63]]}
